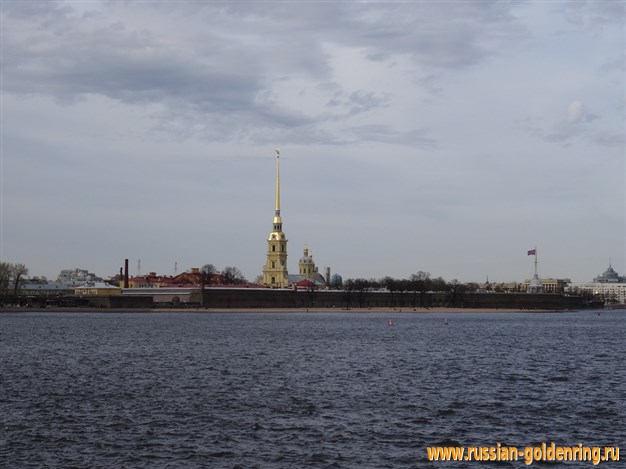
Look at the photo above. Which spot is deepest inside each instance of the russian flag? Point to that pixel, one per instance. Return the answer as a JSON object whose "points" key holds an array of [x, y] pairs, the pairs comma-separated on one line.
{"points": [[532, 252]]}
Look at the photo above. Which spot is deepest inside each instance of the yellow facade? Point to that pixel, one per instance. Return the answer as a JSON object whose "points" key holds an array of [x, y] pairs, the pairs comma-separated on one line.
{"points": [[275, 269], [550, 285], [307, 265], [91, 290]]}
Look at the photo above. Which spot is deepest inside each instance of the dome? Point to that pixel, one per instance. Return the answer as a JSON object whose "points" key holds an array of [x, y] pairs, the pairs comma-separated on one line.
{"points": [[609, 276], [307, 257]]}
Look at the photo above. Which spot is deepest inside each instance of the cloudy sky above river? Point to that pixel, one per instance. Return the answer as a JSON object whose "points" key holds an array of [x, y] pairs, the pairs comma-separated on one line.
{"points": [[448, 137]]}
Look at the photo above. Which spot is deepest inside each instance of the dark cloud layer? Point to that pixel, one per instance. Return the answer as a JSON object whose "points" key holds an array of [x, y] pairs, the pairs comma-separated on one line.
{"points": [[218, 61]]}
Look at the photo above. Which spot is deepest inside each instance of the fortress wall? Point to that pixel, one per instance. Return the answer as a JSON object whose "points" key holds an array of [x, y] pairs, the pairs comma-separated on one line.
{"points": [[275, 298]]}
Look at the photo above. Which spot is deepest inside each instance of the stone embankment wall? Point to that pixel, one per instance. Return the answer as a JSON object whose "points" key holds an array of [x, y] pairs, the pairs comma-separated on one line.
{"points": [[258, 298], [242, 298]]}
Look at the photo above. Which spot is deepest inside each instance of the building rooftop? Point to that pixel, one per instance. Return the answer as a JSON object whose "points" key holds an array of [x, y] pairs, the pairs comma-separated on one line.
{"points": [[609, 276]]}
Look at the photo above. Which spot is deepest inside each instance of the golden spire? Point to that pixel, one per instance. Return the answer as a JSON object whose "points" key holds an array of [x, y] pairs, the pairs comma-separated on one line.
{"points": [[277, 209]]}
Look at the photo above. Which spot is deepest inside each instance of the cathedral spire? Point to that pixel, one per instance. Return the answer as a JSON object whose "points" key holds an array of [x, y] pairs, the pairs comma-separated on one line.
{"points": [[277, 209], [278, 222]]}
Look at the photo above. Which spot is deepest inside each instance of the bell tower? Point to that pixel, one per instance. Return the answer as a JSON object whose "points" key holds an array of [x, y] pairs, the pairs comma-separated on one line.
{"points": [[275, 269]]}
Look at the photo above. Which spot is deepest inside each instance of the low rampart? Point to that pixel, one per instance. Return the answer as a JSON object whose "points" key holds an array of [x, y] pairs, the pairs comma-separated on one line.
{"points": [[268, 298], [247, 298]]}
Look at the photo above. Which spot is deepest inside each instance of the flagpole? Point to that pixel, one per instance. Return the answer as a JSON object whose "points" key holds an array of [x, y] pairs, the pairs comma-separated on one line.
{"points": [[535, 261]]}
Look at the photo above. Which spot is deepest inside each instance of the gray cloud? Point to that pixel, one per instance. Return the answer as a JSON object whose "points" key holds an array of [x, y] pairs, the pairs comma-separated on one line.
{"points": [[386, 134], [594, 16], [578, 124], [610, 139], [217, 65], [357, 102]]}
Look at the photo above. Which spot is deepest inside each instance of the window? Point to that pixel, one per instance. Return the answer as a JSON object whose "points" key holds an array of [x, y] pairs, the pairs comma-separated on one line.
{"points": [[273, 248]]}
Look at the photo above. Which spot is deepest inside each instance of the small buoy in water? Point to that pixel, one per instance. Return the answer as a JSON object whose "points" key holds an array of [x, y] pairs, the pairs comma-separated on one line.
{"points": [[389, 322], [445, 322], [598, 313]]}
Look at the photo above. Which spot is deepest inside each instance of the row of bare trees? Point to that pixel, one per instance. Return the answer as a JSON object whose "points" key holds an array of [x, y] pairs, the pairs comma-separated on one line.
{"points": [[417, 285], [420, 281], [228, 276], [10, 277]]}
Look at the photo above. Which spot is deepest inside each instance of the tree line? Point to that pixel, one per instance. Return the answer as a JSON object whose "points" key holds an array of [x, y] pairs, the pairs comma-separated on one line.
{"points": [[420, 281], [418, 284], [10, 276], [228, 276]]}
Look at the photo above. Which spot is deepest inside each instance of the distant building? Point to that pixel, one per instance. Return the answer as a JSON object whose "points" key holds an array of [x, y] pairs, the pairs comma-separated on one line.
{"points": [[550, 285], [308, 276], [275, 272], [336, 281], [97, 288], [535, 285], [191, 278], [609, 276], [501, 287], [610, 293], [609, 286], [47, 288], [77, 276]]}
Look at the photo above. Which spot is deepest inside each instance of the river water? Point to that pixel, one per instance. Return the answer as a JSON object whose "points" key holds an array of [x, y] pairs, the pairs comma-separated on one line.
{"points": [[297, 390]]}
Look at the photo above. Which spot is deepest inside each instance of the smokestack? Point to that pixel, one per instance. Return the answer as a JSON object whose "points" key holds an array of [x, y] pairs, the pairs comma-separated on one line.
{"points": [[125, 273]]}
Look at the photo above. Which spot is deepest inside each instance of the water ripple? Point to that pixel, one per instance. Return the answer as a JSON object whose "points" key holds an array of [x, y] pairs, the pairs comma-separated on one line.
{"points": [[302, 390]]}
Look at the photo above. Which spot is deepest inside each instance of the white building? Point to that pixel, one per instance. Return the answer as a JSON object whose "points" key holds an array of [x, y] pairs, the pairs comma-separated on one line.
{"points": [[612, 293], [609, 286], [78, 276]]}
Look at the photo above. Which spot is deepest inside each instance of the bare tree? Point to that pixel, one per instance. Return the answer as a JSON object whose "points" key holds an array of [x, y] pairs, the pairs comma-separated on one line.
{"points": [[17, 272], [456, 290], [348, 288], [207, 272], [420, 276], [233, 276], [391, 284], [5, 276]]}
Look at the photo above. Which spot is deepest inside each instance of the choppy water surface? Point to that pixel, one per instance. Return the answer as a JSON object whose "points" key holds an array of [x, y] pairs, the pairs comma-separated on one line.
{"points": [[265, 390]]}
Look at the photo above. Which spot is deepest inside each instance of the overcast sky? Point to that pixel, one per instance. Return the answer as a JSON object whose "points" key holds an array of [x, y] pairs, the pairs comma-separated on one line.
{"points": [[449, 137]]}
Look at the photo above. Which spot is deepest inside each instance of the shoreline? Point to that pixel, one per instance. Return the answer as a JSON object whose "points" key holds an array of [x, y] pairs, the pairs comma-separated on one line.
{"points": [[408, 310]]}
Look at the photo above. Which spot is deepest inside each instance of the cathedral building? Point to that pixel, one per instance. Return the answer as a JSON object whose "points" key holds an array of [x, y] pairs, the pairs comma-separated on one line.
{"points": [[308, 270], [275, 273]]}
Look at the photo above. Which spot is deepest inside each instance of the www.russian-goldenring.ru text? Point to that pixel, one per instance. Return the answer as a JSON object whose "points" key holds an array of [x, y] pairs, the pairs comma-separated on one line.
{"points": [[529, 454]]}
